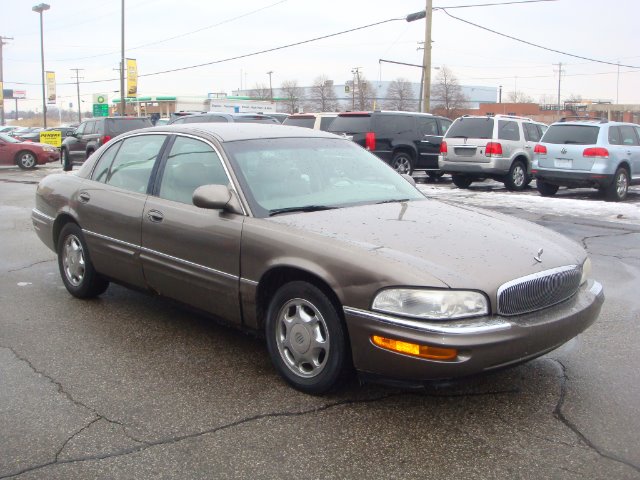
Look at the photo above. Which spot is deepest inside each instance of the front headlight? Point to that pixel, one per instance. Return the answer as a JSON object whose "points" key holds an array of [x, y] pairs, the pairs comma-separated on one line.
{"points": [[49, 149], [431, 304], [586, 270]]}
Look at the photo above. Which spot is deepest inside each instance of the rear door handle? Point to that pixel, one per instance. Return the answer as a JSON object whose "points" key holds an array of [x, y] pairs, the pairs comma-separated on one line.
{"points": [[84, 197], [155, 216]]}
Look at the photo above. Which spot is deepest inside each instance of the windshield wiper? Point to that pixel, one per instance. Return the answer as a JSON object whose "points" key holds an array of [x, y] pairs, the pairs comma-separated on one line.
{"points": [[395, 200], [304, 208]]}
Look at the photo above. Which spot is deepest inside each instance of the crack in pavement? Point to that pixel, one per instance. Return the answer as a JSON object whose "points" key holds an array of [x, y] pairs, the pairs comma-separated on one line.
{"points": [[31, 265], [557, 412], [242, 421], [584, 240], [26, 182]]}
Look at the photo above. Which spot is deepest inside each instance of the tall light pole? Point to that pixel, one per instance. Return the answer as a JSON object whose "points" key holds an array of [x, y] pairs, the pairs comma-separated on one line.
{"points": [[270, 72], [123, 101], [78, 90], [41, 8]]}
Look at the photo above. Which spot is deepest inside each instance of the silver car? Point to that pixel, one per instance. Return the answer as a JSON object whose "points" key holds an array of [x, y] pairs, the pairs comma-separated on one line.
{"points": [[588, 153], [492, 146]]}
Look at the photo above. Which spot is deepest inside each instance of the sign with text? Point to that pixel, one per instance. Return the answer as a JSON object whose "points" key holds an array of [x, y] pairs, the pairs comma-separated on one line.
{"points": [[51, 88], [100, 110], [132, 78], [52, 138]]}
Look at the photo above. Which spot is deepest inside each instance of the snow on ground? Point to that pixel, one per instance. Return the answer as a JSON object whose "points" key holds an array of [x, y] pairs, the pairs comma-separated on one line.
{"points": [[584, 204]]}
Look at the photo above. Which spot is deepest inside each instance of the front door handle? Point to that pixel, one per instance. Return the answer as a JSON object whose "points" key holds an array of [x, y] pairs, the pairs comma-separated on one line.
{"points": [[155, 216], [84, 197]]}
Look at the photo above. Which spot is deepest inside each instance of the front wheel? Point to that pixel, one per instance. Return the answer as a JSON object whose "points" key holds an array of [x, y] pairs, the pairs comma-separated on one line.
{"points": [[67, 165], [618, 189], [76, 269], [26, 160], [402, 163], [461, 181], [306, 338], [517, 178]]}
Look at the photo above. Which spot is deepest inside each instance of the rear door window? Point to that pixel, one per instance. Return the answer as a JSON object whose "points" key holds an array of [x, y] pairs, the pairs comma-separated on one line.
{"points": [[508, 130], [614, 136], [427, 126], [89, 128], [627, 135], [471, 128]]}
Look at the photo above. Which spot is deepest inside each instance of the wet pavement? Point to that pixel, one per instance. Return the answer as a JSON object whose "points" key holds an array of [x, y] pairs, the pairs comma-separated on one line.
{"points": [[133, 386]]}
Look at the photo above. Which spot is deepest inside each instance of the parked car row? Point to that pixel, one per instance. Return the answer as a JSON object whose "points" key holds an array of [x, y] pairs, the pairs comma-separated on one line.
{"points": [[25, 154]]}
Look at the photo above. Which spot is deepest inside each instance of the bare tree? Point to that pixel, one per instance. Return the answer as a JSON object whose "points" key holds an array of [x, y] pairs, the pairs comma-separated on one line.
{"points": [[364, 93], [293, 94], [400, 96], [447, 96], [322, 97], [260, 91], [518, 97]]}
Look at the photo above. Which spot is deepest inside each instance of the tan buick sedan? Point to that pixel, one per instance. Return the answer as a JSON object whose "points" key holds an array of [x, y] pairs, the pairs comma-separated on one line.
{"points": [[314, 242]]}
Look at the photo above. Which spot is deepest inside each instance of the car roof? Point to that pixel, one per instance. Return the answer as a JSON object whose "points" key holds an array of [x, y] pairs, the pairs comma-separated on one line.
{"points": [[231, 132]]}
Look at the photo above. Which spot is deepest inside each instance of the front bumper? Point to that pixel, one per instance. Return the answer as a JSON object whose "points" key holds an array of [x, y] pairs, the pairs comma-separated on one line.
{"points": [[483, 344], [48, 157]]}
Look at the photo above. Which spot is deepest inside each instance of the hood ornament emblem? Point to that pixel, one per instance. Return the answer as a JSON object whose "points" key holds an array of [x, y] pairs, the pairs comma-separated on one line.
{"points": [[538, 258]]}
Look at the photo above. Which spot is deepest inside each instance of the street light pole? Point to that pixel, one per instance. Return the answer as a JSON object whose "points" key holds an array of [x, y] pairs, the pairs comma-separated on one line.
{"points": [[39, 9], [270, 87], [426, 60]]}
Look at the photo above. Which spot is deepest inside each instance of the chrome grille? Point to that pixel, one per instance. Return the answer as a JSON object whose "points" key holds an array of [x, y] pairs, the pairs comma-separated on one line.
{"points": [[538, 291]]}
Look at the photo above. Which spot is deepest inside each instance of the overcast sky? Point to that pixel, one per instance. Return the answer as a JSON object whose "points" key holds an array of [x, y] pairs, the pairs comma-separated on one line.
{"points": [[86, 34]]}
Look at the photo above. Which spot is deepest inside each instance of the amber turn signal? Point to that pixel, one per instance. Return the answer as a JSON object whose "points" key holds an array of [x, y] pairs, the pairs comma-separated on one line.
{"points": [[422, 351]]}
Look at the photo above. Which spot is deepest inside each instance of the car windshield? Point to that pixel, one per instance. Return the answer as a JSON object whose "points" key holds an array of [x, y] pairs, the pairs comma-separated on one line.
{"points": [[471, 128], [281, 175], [572, 134], [8, 139]]}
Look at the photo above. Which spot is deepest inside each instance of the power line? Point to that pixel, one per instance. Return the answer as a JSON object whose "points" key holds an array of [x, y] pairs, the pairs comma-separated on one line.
{"points": [[534, 44], [494, 4]]}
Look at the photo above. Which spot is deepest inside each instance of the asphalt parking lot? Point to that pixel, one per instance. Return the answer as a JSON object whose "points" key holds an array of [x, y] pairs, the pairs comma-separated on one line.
{"points": [[134, 386]]}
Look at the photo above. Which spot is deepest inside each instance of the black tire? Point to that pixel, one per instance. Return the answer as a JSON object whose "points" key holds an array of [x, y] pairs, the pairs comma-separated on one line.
{"points": [[26, 160], [435, 175], [517, 179], [67, 164], [546, 189], [461, 181], [402, 163], [617, 190], [76, 269], [306, 338]]}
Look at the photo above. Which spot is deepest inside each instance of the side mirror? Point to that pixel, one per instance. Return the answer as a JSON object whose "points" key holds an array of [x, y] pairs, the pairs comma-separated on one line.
{"points": [[409, 179], [216, 197]]}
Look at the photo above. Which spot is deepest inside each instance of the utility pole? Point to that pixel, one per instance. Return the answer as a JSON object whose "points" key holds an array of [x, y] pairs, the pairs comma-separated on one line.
{"points": [[356, 72], [78, 90], [2, 42], [426, 90], [559, 79]]}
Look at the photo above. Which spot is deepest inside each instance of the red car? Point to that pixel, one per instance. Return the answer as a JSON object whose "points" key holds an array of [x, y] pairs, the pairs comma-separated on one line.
{"points": [[26, 154]]}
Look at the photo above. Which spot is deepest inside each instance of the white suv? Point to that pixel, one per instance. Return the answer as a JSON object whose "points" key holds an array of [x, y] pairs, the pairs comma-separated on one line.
{"points": [[498, 147]]}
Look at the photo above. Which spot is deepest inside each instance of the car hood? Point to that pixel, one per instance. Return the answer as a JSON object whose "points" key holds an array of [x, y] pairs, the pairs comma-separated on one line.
{"points": [[463, 247]]}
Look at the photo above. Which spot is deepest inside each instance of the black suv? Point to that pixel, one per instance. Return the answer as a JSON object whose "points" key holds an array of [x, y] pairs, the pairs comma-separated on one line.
{"points": [[224, 117], [407, 141], [92, 134]]}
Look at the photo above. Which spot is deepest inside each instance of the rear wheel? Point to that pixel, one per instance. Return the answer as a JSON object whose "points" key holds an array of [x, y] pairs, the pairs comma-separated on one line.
{"points": [[517, 178], [306, 338], [546, 189], [617, 191], [461, 181], [402, 163], [76, 269], [26, 160]]}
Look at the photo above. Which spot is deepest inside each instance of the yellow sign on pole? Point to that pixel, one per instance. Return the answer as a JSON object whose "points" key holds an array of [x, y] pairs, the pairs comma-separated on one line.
{"points": [[132, 78], [51, 88], [52, 138], [1, 91]]}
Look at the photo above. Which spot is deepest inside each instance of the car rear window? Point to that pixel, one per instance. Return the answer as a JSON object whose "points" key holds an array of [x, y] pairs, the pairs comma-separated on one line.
{"points": [[121, 125], [255, 119], [471, 128], [572, 134], [351, 124], [306, 122]]}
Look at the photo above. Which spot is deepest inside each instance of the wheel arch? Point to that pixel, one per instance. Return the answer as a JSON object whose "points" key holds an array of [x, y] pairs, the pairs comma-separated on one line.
{"points": [[404, 148], [277, 276], [59, 224]]}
